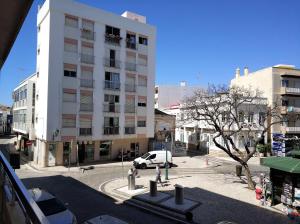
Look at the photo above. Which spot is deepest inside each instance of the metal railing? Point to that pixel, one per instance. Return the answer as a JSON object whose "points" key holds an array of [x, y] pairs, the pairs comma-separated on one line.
{"points": [[111, 130], [85, 131], [88, 59], [129, 130], [111, 108], [88, 83], [112, 39], [130, 88], [14, 191], [129, 109], [111, 85], [87, 34], [86, 107], [130, 66], [290, 90], [112, 63]]}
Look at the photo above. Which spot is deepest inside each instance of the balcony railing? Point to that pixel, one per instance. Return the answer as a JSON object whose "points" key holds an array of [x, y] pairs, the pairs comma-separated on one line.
{"points": [[88, 59], [111, 85], [130, 66], [112, 63], [288, 109], [86, 107], [15, 193], [130, 88], [112, 130], [85, 131], [129, 130], [112, 39], [290, 90], [87, 83], [129, 109], [111, 108], [130, 44], [291, 129], [87, 34]]}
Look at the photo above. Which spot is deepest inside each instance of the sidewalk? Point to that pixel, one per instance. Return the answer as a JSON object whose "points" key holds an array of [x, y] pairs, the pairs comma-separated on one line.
{"points": [[218, 197]]}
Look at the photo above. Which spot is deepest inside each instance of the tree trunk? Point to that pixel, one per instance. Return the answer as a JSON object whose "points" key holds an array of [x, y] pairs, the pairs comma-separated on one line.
{"points": [[251, 183]]}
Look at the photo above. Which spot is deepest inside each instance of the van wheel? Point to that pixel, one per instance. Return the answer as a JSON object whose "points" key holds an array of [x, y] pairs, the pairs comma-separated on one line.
{"points": [[143, 166]]}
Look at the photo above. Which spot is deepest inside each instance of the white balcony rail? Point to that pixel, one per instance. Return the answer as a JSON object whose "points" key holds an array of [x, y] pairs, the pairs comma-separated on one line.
{"points": [[88, 83], [88, 59], [111, 108], [290, 90], [86, 107], [112, 63], [130, 88], [130, 66], [111, 85]]}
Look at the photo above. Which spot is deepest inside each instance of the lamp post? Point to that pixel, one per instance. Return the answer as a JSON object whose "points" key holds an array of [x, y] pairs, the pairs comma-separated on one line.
{"points": [[166, 164]]}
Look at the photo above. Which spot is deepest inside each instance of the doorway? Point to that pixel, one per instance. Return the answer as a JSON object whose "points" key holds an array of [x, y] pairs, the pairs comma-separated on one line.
{"points": [[134, 150], [52, 154], [81, 152]]}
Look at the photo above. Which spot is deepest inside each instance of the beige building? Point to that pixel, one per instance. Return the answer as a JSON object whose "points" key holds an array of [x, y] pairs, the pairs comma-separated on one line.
{"points": [[279, 84]]}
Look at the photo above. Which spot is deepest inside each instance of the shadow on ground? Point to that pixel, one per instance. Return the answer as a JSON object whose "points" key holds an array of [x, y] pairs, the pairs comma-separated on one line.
{"points": [[86, 202]]}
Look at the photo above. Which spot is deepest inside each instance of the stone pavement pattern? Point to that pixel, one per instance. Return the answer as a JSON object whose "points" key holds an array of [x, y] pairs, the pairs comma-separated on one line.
{"points": [[221, 197]]}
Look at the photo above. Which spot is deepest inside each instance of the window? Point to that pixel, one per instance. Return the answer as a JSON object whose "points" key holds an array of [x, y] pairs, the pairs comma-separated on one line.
{"points": [[250, 117], [241, 116], [142, 59], [285, 103], [69, 121], [261, 119], [285, 83], [69, 97], [112, 30], [111, 98], [111, 121], [153, 156], [141, 123], [70, 70], [71, 21], [142, 80], [87, 48], [143, 40], [142, 101], [70, 45], [87, 25]]}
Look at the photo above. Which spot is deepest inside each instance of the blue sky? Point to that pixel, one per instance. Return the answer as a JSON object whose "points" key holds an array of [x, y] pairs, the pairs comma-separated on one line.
{"points": [[199, 41]]}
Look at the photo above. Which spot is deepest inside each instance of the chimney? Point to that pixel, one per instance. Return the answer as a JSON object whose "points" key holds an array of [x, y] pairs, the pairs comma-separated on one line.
{"points": [[246, 71], [237, 73]]}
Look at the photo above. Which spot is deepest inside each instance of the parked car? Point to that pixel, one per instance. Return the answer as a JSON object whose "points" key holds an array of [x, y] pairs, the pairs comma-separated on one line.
{"points": [[153, 158], [53, 208], [104, 219]]}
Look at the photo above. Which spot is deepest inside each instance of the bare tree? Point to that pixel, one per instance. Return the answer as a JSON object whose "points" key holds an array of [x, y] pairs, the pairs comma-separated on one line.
{"points": [[234, 113]]}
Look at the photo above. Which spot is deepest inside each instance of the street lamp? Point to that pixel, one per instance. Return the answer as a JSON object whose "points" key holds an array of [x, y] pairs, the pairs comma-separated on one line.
{"points": [[166, 164]]}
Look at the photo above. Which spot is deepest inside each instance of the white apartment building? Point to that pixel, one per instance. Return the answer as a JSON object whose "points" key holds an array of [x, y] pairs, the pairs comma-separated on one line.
{"points": [[24, 109], [280, 84], [94, 84]]}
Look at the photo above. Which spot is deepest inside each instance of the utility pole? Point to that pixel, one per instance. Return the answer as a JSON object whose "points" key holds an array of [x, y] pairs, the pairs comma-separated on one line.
{"points": [[166, 164]]}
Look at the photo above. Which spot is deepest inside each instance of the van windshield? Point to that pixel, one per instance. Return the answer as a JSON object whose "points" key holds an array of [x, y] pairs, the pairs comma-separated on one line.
{"points": [[145, 155]]}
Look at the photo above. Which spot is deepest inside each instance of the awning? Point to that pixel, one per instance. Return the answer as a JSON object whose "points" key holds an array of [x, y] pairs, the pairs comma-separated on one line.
{"points": [[286, 164]]}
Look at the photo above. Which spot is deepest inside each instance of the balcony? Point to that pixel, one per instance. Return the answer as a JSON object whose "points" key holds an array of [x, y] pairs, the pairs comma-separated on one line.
{"points": [[87, 107], [111, 130], [85, 131], [290, 90], [129, 130], [111, 108], [112, 39], [112, 63], [112, 85], [291, 129], [87, 34], [130, 88], [88, 59], [130, 44], [129, 109], [288, 109], [87, 83], [130, 66]]}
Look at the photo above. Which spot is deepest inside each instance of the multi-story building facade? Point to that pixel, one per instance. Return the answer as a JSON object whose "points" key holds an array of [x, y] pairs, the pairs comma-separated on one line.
{"points": [[24, 110], [94, 83], [5, 120], [280, 84]]}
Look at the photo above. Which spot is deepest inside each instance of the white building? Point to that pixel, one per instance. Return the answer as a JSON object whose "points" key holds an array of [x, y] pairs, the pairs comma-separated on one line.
{"points": [[5, 120], [94, 83], [279, 84]]}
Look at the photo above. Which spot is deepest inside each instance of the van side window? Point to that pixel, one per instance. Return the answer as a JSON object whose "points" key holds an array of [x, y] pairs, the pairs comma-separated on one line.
{"points": [[153, 156]]}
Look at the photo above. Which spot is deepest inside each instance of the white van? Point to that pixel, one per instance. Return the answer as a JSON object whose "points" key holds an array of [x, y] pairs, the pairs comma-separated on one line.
{"points": [[152, 158]]}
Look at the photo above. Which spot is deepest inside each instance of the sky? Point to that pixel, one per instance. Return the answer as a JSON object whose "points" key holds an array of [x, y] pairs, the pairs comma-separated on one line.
{"points": [[198, 41]]}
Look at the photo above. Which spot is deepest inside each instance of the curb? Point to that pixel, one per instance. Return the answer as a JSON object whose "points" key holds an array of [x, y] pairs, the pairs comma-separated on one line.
{"points": [[146, 206]]}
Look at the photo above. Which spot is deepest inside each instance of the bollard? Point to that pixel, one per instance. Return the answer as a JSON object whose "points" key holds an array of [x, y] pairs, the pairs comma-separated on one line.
{"points": [[131, 182], [178, 194], [153, 188]]}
